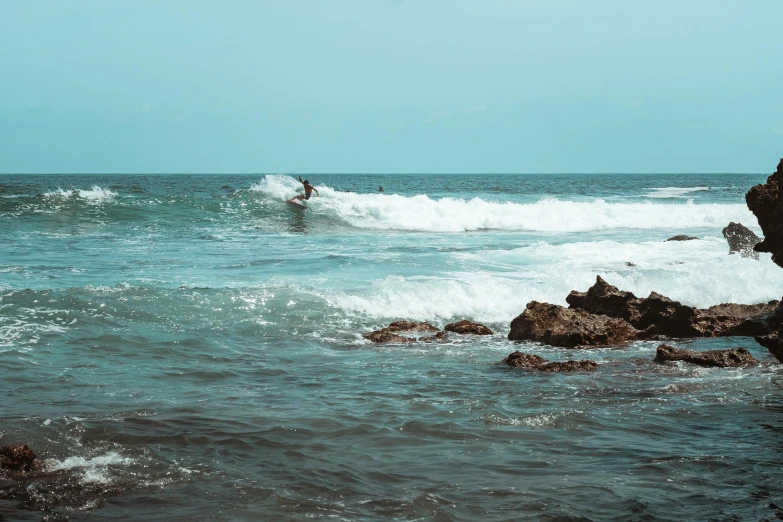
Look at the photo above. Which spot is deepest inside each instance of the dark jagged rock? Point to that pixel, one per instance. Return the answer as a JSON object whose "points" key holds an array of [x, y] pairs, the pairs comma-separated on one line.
{"points": [[766, 203], [467, 327], [671, 318], [772, 342], [390, 333], [568, 366], [682, 237], [741, 239], [385, 336], [535, 362], [735, 319], [603, 299], [523, 360], [714, 358], [628, 263], [569, 328], [411, 326], [18, 458]]}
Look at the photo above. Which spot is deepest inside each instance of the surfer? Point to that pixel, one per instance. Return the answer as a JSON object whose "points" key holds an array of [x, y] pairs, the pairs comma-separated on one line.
{"points": [[308, 190]]}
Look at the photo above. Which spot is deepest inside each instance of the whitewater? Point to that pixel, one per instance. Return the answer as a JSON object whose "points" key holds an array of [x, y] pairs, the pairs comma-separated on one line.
{"points": [[191, 345]]}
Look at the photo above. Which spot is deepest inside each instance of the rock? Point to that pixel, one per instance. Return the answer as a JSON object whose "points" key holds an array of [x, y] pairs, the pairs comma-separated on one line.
{"points": [[766, 203], [741, 239], [569, 328], [671, 318], [628, 263], [18, 458], [773, 343], [411, 326], [437, 337], [467, 327], [714, 358], [568, 366], [603, 299], [389, 334], [523, 360], [535, 362], [385, 336], [682, 238], [735, 319]]}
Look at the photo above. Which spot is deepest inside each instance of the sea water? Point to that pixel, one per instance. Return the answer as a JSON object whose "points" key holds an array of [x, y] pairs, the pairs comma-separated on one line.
{"points": [[190, 348]]}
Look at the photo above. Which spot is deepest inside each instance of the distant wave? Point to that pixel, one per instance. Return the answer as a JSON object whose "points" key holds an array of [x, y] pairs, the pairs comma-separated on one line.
{"points": [[95, 194], [423, 214], [673, 192]]}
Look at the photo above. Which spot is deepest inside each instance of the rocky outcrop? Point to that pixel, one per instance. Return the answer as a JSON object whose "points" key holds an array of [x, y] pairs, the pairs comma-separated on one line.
{"points": [[569, 328], [671, 318], [766, 202], [18, 458], [535, 362], [714, 358], [682, 238], [411, 326], [773, 343], [385, 336], [390, 333], [467, 327], [741, 239]]}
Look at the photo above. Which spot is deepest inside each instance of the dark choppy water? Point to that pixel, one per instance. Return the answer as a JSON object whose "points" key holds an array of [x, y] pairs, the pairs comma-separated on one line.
{"points": [[189, 348]]}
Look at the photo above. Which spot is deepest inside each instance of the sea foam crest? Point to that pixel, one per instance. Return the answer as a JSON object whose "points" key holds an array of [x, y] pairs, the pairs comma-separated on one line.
{"points": [[423, 214], [95, 194], [673, 192]]}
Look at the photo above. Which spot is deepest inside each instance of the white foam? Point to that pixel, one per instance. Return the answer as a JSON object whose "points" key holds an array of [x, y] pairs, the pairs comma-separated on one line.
{"points": [[696, 273], [673, 192], [95, 195], [91, 470], [423, 214]]}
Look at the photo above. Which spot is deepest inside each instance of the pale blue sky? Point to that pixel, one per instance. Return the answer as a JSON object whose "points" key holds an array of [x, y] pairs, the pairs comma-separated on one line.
{"points": [[391, 86]]}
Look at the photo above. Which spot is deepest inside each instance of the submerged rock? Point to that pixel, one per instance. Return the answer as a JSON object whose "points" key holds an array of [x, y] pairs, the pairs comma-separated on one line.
{"points": [[385, 336], [18, 458], [731, 358], [682, 238], [741, 239], [766, 202], [559, 326], [390, 333], [468, 327], [536, 362]]}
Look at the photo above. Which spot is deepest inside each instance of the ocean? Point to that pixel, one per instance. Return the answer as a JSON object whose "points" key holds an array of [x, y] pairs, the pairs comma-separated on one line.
{"points": [[189, 347]]}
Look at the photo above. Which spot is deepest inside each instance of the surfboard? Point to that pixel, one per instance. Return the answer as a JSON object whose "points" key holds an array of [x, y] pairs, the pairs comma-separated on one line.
{"points": [[296, 204]]}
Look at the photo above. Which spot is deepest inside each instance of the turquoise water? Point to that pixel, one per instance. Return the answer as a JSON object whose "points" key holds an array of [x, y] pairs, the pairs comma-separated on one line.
{"points": [[189, 348]]}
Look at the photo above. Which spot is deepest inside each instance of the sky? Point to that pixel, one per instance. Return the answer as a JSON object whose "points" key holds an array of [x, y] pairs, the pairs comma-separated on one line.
{"points": [[390, 86]]}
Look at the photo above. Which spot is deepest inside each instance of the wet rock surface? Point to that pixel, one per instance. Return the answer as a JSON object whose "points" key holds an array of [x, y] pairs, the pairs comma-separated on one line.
{"points": [[18, 458], [468, 327], [390, 334], [773, 343], [671, 318], [732, 358], [535, 362], [559, 326], [741, 239], [766, 203], [682, 237]]}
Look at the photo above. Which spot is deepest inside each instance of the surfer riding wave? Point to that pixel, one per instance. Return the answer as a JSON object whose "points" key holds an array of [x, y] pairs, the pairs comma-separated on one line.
{"points": [[308, 190]]}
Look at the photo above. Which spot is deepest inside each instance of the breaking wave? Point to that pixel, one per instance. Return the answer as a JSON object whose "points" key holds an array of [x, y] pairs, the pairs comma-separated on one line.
{"points": [[424, 214]]}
